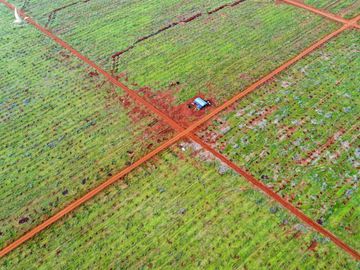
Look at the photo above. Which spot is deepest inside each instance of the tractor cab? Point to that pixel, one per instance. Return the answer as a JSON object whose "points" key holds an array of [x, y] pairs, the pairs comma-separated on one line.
{"points": [[201, 103]]}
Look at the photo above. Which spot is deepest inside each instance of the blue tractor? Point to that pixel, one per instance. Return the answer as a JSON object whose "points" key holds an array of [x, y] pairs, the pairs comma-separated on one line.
{"points": [[201, 103]]}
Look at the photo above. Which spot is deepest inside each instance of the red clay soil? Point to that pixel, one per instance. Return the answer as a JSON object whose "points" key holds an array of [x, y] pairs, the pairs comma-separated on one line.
{"points": [[181, 134], [312, 246], [183, 114], [93, 74], [154, 133]]}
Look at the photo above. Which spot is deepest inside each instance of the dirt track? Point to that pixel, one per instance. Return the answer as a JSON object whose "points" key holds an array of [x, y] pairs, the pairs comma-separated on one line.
{"points": [[181, 134]]}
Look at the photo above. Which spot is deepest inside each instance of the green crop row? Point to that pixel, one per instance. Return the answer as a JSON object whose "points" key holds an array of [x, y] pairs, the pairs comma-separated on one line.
{"points": [[299, 135], [346, 8], [179, 213], [62, 130]]}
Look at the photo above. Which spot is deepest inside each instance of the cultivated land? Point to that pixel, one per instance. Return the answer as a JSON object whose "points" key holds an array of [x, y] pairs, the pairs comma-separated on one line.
{"points": [[120, 25], [299, 135], [63, 128], [345, 8], [180, 211], [66, 128], [222, 53]]}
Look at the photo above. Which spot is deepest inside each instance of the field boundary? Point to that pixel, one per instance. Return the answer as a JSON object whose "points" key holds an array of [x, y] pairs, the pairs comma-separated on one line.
{"points": [[181, 134], [52, 14], [323, 13]]}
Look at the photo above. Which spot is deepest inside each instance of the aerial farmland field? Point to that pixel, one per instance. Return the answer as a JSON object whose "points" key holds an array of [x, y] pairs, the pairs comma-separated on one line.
{"points": [[216, 49], [120, 25], [180, 211], [56, 109], [178, 134], [346, 8]]}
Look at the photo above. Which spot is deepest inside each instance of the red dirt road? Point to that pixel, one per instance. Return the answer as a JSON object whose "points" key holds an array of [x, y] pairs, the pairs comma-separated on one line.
{"points": [[355, 22], [182, 133], [75, 204], [266, 78], [258, 184]]}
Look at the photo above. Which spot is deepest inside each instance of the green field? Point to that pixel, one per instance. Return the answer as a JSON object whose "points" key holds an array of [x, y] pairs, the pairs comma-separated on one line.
{"points": [[220, 55], [345, 8], [243, 45], [62, 131], [121, 22], [177, 212], [275, 133]]}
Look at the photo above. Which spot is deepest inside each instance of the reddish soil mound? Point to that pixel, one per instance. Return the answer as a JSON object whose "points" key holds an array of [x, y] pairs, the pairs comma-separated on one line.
{"points": [[157, 131], [312, 246]]}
